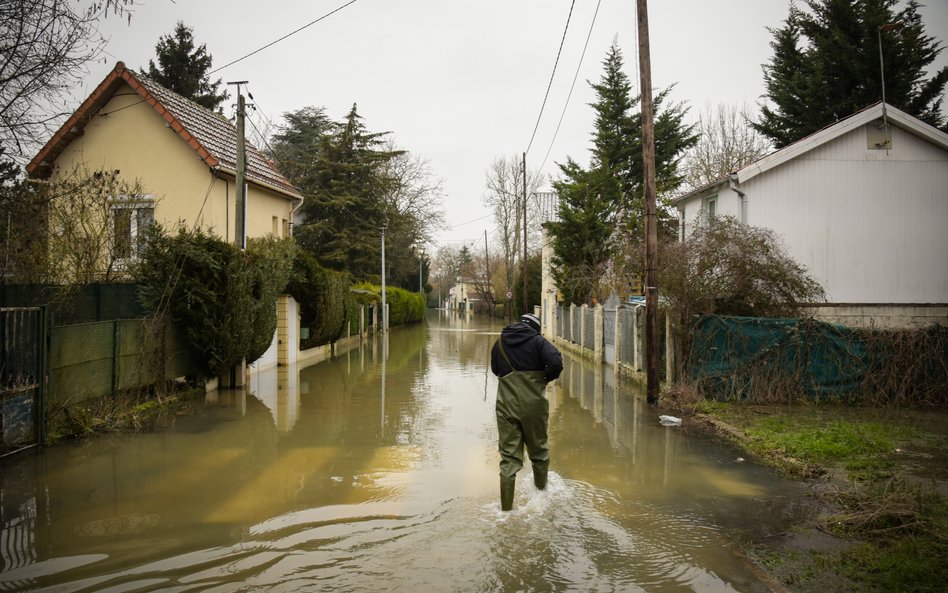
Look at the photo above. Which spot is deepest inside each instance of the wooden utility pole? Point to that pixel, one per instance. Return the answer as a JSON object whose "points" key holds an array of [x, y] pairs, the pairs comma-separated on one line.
{"points": [[651, 221], [524, 259], [238, 374], [240, 211], [490, 287]]}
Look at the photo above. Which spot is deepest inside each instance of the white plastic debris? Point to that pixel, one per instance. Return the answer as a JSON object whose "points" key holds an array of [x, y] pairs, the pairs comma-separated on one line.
{"points": [[669, 420]]}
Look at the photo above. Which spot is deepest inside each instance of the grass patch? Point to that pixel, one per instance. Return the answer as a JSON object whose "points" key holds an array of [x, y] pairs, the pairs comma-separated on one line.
{"points": [[131, 411], [910, 565], [888, 506], [836, 441]]}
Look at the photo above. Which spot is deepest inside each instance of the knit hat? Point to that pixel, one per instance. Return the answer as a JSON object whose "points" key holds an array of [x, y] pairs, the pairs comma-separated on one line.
{"points": [[531, 320]]}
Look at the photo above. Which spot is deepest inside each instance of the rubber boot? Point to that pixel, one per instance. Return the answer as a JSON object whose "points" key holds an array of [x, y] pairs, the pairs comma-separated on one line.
{"points": [[539, 477], [507, 486]]}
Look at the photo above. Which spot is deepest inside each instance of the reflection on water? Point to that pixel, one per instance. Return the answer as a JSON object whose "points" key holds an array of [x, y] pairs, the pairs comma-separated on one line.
{"points": [[378, 471]]}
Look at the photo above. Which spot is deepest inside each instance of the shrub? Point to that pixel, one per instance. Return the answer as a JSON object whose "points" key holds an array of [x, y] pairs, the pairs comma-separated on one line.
{"points": [[403, 306], [220, 298], [728, 268], [323, 295]]}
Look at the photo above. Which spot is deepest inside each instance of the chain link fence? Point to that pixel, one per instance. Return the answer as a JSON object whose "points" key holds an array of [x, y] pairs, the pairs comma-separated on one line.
{"points": [[70, 305]]}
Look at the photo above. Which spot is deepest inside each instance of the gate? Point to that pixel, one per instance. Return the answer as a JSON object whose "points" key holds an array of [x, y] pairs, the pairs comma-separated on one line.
{"points": [[23, 355]]}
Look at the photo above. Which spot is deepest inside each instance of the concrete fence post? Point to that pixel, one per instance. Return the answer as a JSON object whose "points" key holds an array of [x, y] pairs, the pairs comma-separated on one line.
{"points": [[598, 334], [283, 330], [638, 338], [582, 325]]}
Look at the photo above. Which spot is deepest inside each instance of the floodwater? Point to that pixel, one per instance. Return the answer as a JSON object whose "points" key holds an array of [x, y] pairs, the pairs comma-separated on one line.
{"points": [[377, 471]]}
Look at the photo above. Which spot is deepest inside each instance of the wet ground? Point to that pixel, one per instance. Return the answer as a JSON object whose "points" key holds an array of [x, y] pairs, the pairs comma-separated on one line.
{"points": [[377, 471]]}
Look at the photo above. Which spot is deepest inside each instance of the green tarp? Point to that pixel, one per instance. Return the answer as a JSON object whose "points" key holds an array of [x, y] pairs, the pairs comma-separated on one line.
{"points": [[732, 357]]}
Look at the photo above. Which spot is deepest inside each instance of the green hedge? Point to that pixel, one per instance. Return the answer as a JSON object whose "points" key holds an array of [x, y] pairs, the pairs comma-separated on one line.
{"points": [[325, 303], [403, 306], [220, 298]]}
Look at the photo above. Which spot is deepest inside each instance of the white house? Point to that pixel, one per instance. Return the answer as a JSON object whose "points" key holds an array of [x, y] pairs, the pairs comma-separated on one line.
{"points": [[863, 204], [463, 295]]}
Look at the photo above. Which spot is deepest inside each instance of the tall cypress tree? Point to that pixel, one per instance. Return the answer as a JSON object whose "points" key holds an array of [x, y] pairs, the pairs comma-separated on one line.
{"points": [[184, 68], [602, 206], [825, 66]]}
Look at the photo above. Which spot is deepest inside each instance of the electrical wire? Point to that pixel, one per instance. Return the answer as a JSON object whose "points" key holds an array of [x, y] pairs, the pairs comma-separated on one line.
{"points": [[290, 34], [468, 222], [572, 86], [552, 75]]}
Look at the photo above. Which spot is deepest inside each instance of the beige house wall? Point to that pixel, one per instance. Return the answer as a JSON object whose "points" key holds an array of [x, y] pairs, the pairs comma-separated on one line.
{"points": [[134, 139]]}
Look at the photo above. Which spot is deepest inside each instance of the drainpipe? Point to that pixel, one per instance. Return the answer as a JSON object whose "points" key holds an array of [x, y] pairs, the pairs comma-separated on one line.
{"points": [[293, 211], [732, 183]]}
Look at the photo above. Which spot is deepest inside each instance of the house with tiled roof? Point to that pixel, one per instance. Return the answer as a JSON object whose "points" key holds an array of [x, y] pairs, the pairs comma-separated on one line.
{"points": [[862, 204], [182, 156]]}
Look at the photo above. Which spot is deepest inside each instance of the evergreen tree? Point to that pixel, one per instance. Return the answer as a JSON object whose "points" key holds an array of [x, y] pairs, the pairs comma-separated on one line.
{"points": [[825, 66], [603, 207], [183, 68], [581, 235], [344, 209], [295, 148]]}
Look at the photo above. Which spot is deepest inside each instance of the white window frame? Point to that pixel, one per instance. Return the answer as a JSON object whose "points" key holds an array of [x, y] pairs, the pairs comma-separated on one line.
{"points": [[135, 204], [711, 207]]}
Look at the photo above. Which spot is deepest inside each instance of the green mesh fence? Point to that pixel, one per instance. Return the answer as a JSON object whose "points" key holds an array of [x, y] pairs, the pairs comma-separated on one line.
{"points": [[69, 305], [740, 357]]}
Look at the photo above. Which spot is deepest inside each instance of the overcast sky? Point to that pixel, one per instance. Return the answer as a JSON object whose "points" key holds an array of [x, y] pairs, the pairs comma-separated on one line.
{"points": [[461, 82]]}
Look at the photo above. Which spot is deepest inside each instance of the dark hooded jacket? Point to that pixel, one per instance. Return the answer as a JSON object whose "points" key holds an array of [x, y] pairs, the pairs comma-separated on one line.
{"points": [[527, 350]]}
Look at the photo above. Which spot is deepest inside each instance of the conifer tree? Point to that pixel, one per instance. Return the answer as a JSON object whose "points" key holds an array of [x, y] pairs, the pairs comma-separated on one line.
{"points": [[825, 66], [344, 208], [184, 68], [603, 206]]}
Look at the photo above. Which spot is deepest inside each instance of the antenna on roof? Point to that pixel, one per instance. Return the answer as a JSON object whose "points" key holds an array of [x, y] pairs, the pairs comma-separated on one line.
{"points": [[885, 28]]}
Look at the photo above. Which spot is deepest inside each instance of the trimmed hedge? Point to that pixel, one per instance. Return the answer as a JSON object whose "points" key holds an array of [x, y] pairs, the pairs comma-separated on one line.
{"points": [[324, 298], [403, 306], [222, 299]]}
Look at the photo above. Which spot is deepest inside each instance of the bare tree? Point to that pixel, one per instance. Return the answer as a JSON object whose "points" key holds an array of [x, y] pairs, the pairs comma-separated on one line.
{"points": [[726, 143], [414, 192], [84, 227], [504, 197], [45, 47], [445, 268]]}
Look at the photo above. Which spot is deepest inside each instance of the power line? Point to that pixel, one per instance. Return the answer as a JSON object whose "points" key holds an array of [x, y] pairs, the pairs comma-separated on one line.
{"points": [[290, 34], [552, 74], [572, 86], [469, 221]]}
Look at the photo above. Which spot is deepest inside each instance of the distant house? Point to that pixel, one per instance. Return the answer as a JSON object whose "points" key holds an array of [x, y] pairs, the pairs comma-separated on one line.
{"points": [[183, 155], [464, 295], [863, 204]]}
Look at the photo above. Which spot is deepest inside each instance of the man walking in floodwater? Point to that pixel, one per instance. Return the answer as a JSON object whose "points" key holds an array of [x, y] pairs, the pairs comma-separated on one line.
{"points": [[525, 362]]}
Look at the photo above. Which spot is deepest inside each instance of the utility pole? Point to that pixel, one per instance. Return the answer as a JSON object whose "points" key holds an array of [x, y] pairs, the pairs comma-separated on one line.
{"points": [[651, 222], [524, 259], [240, 211], [238, 374], [383, 318], [490, 288]]}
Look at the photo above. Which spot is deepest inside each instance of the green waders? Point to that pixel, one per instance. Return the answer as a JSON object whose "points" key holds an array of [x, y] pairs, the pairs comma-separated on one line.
{"points": [[522, 415]]}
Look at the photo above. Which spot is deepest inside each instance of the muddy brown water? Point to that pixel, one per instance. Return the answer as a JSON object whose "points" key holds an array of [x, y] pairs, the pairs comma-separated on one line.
{"points": [[377, 471]]}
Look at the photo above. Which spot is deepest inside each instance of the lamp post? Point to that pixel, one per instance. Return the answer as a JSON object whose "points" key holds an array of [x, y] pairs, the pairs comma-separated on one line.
{"points": [[383, 318], [421, 264]]}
